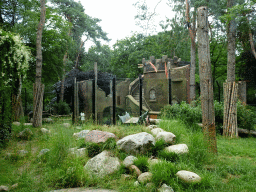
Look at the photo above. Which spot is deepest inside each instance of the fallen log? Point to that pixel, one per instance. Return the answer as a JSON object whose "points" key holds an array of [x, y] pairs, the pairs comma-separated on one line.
{"points": [[246, 132]]}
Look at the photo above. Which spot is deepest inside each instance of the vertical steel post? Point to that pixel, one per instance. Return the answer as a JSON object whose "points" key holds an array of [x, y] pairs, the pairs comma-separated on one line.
{"points": [[170, 87], [93, 99], [114, 99], [140, 96]]}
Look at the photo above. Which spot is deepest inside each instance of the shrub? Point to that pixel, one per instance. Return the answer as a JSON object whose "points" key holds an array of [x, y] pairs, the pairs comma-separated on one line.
{"points": [[183, 111], [246, 117], [61, 108]]}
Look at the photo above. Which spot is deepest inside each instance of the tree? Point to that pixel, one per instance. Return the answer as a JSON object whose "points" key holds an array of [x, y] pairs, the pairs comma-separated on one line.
{"points": [[38, 86], [192, 34], [230, 89], [14, 63], [102, 55], [80, 25], [206, 87]]}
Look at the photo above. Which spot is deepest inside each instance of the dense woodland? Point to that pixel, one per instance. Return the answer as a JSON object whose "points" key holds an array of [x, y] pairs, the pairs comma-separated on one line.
{"points": [[68, 28]]}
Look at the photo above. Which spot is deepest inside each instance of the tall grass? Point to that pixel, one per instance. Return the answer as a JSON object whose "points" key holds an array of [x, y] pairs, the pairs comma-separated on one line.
{"points": [[232, 170]]}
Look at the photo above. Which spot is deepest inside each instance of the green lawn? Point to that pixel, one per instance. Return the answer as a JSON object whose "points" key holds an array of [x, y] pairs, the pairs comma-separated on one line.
{"points": [[234, 169]]}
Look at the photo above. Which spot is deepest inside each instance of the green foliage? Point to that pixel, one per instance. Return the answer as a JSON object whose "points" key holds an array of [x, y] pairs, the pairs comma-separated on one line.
{"points": [[142, 163], [159, 145], [61, 108], [14, 60], [246, 117], [94, 149], [164, 172], [183, 111]]}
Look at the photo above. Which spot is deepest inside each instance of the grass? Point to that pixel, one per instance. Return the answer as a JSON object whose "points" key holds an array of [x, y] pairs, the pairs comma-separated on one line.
{"points": [[232, 170]]}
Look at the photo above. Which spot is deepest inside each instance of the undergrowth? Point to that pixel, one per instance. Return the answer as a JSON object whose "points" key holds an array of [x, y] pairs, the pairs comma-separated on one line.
{"points": [[233, 169]]}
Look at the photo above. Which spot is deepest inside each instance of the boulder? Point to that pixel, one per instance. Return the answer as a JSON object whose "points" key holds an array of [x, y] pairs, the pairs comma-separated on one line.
{"points": [[136, 183], [136, 143], [145, 177], [45, 131], [28, 124], [150, 185], [165, 188], [4, 188], [96, 136], [178, 149], [188, 177], [128, 161], [16, 123], [66, 125], [14, 186], [150, 127], [78, 152], [81, 134], [155, 131], [153, 161], [22, 153], [135, 169], [42, 152], [25, 134], [168, 137], [102, 164], [47, 120]]}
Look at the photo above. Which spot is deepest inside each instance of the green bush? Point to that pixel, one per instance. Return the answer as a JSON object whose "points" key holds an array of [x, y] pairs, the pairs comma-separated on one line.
{"points": [[246, 116], [61, 108], [183, 111]]}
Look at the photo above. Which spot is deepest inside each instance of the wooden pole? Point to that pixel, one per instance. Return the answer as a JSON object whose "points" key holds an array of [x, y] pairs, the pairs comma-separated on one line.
{"points": [[206, 87]]}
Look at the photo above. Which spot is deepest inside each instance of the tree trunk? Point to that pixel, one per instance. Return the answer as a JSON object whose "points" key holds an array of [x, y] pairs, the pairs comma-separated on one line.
{"points": [[38, 87], [206, 87], [251, 40], [63, 77], [230, 119], [62, 89], [192, 33]]}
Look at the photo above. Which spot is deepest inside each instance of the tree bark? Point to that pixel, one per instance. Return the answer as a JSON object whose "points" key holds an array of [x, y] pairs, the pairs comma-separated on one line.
{"points": [[38, 87], [230, 119], [63, 77], [206, 87], [192, 33], [62, 89], [251, 40]]}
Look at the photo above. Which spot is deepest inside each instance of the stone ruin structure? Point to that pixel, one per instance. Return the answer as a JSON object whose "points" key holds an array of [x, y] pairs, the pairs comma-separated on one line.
{"points": [[157, 75], [155, 89]]}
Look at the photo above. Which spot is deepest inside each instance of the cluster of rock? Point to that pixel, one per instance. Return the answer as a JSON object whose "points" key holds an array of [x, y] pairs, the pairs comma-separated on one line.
{"points": [[106, 163]]}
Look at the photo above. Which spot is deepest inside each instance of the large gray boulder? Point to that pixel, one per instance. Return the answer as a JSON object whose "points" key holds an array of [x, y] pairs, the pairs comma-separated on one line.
{"points": [[136, 143], [165, 188], [155, 131], [168, 137], [81, 134], [102, 164], [178, 149], [25, 134], [145, 177], [188, 176], [128, 161], [96, 136]]}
